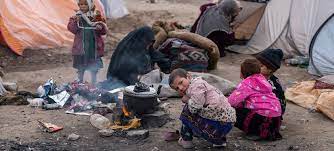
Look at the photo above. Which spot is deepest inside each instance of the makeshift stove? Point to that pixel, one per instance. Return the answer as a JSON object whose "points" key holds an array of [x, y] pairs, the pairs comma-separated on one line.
{"points": [[139, 103], [136, 108]]}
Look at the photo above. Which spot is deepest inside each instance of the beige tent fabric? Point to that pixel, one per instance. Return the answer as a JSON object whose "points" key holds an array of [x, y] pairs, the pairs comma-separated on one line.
{"points": [[248, 19], [270, 27], [304, 95]]}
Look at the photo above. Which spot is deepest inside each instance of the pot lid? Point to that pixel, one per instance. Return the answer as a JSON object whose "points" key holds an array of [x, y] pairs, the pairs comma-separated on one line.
{"points": [[129, 91]]}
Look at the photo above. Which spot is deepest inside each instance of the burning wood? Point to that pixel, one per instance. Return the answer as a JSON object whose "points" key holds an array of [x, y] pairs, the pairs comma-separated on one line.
{"points": [[126, 112]]}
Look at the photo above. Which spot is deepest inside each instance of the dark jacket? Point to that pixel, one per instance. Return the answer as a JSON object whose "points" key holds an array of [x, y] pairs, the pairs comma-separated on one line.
{"points": [[132, 56], [278, 90]]}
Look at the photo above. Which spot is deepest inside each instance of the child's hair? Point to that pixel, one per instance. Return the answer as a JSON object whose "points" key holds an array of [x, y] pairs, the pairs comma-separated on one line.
{"points": [[177, 73], [250, 67]]}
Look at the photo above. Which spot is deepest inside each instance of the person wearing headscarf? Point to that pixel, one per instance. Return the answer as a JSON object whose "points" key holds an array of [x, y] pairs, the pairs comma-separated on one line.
{"points": [[134, 56], [88, 45], [215, 22]]}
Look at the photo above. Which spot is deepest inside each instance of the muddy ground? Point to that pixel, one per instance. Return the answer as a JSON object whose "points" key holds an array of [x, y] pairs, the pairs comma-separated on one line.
{"points": [[19, 128]]}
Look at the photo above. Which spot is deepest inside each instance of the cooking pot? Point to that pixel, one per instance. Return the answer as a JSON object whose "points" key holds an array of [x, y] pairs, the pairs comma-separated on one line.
{"points": [[140, 102]]}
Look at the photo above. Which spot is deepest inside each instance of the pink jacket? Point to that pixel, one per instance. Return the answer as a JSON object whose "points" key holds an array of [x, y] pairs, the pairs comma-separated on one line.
{"points": [[77, 43], [209, 102], [255, 93]]}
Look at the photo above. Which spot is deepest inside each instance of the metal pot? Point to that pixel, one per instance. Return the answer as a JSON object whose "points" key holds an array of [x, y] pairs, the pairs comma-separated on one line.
{"points": [[140, 102]]}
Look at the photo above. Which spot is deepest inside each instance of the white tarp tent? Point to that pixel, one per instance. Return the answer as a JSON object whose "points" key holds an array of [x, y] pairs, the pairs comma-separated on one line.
{"points": [[114, 8], [322, 50], [291, 25]]}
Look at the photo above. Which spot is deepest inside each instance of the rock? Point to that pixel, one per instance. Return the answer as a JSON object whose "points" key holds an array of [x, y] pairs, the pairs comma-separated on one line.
{"points": [[153, 1], [106, 132], [137, 134], [282, 128], [155, 149], [2, 73], [236, 145], [293, 147], [10, 86], [303, 120], [164, 106], [154, 120], [73, 137], [99, 121]]}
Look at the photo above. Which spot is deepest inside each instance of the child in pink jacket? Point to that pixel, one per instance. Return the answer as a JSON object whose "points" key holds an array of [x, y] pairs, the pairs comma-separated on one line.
{"points": [[258, 109]]}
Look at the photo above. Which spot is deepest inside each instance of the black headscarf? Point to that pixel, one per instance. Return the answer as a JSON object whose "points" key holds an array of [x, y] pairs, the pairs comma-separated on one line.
{"points": [[132, 56]]}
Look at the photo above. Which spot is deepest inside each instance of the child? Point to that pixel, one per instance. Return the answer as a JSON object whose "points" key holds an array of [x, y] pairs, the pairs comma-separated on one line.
{"points": [[258, 109], [206, 113], [88, 45], [270, 62]]}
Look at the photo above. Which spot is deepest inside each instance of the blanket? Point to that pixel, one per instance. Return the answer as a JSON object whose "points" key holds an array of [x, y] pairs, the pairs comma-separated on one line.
{"points": [[307, 95]]}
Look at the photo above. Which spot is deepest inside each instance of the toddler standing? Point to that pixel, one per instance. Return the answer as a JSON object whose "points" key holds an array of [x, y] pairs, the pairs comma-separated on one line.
{"points": [[88, 45]]}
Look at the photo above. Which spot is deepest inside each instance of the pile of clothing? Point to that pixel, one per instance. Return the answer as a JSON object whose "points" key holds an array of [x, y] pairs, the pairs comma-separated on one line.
{"points": [[196, 53], [78, 98], [9, 94]]}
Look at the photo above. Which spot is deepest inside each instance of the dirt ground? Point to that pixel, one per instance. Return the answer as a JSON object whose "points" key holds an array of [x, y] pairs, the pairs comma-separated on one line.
{"points": [[19, 128]]}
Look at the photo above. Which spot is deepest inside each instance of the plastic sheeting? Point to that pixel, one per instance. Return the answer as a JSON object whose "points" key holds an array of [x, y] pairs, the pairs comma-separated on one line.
{"points": [[289, 25], [322, 58], [114, 8], [37, 24], [270, 27], [306, 18]]}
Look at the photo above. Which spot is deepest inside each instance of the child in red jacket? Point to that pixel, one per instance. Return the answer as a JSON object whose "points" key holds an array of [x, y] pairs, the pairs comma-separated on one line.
{"points": [[88, 45]]}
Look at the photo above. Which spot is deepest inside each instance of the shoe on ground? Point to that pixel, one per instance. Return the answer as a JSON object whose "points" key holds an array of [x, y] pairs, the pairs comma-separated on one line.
{"points": [[219, 146], [185, 144]]}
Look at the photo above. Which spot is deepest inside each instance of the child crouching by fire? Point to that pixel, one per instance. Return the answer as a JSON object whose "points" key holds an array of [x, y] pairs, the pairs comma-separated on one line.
{"points": [[207, 112], [88, 47]]}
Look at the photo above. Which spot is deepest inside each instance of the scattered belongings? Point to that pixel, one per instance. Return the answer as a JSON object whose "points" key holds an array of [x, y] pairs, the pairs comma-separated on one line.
{"points": [[60, 98], [10, 86], [36, 102], [164, 30], [11, 99], [300, 61], [3, 91], [49, 127], [314, 95]]}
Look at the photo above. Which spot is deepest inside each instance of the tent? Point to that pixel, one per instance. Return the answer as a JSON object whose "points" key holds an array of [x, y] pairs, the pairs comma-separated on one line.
{"points": [[36, 24], [304, 28], [114, 8]]}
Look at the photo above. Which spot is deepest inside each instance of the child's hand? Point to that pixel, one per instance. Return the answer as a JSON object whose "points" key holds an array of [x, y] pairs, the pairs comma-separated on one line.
{"points": [[76, 17], [185, 99], [98, 13], [99, 27]]}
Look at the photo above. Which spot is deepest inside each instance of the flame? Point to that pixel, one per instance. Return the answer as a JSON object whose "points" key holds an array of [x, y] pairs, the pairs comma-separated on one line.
{"points": [[126, 112]]}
